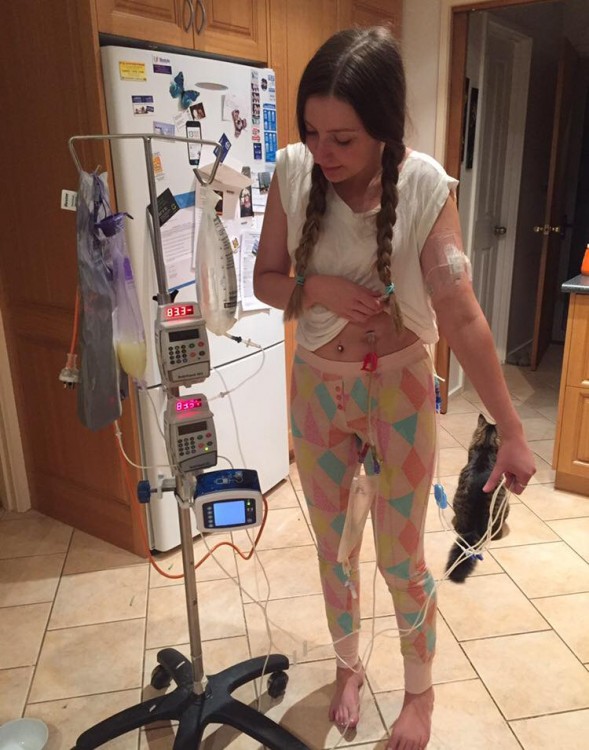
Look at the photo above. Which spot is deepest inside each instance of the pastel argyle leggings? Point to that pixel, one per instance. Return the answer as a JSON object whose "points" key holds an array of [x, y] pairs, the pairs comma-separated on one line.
{"points": [[329, 415]]}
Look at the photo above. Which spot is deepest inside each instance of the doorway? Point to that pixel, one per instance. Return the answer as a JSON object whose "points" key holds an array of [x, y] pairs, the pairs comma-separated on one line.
{"points": [[546, 24]]}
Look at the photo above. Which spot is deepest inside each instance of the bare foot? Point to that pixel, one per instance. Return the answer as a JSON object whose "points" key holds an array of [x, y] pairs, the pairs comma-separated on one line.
{"points": [[411, 730], [345, 704]]}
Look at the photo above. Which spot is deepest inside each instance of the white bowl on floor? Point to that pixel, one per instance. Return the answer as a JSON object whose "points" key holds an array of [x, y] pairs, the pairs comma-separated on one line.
{"points": [[23, 734]]}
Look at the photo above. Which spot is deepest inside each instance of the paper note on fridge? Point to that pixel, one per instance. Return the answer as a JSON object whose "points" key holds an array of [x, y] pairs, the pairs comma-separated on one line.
{"points": [[228, 175]]}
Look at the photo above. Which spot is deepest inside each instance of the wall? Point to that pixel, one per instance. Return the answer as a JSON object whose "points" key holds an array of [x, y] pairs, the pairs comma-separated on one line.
{"points": [[421, 31]]}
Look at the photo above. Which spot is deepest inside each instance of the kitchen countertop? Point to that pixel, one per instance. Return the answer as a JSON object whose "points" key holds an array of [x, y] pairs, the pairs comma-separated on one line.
{"points": [[577, 285]]}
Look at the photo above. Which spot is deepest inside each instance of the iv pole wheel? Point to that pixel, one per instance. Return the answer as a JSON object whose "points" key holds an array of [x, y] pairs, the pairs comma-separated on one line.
{"points": [[277, 683], [160, 678]]}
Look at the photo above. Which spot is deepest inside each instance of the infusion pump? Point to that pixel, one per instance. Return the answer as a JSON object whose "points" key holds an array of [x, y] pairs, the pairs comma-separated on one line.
{"points": [[182, 345], [190, 433]]}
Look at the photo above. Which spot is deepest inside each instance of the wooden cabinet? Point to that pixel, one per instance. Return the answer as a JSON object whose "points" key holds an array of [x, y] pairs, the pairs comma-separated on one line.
{"points": [[571, 448], [372, 13], [231, 28]]}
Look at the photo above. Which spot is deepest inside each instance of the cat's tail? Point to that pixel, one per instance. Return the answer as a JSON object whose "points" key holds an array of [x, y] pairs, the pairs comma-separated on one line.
{"points": [[459, 572]]}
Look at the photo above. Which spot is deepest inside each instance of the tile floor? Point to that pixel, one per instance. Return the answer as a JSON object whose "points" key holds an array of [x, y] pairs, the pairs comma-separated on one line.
{"points": [[81, 621]]}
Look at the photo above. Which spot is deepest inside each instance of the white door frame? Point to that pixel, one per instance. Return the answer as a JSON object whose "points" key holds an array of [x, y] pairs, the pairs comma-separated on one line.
{"points": [[522, 55]]}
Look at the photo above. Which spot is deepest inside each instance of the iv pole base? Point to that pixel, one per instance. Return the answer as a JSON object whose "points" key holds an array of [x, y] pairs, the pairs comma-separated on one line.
{"points": [[193, 712]]}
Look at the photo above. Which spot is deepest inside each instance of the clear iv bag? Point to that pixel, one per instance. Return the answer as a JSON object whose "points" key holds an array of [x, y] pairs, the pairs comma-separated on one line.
{"points": [[216, 282], [128, 330]]}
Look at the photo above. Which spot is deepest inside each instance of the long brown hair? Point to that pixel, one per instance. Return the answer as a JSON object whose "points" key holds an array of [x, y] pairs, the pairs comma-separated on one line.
{"points": [[362, 67]]}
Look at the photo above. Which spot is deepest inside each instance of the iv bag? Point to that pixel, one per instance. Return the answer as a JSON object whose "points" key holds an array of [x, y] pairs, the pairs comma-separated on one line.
{"points": [[99, 401], [128, 331], [216, 282]]}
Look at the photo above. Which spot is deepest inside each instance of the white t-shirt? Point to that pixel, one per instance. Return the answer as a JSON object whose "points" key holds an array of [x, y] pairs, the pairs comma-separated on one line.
{"points": [[347, 241]]}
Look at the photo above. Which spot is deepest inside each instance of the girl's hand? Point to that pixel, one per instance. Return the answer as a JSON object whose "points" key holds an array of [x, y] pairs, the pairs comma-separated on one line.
{"points": [[516, 461], [343, 297]]}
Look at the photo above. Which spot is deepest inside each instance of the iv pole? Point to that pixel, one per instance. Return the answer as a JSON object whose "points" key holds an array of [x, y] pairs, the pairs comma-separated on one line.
{"points": [[195, 702]]}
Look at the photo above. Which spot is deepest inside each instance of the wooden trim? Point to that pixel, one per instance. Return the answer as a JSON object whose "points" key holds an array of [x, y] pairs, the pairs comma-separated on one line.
{"points": [[13, 470], [458, 48], [571, 483], [462, 6], [562, 389]]}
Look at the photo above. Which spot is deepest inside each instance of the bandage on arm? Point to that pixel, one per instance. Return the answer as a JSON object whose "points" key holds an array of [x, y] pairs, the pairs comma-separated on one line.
{"points": [[443, 262]]}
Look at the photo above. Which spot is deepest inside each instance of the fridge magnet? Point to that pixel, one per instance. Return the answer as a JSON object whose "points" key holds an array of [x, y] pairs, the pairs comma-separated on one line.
{"points": [[162, 65], [158, 169], [239, 122], [225, 145], [255, 95], [256, 137], [194, 130], [197, 111], [246, 207], [471, 127], [166, 206], [164, 128], [270, 117], [132, 71], [143, 105], [272, 87], [180, 120], [270, 145], [185, 97], [257, 150], [264, 181]]}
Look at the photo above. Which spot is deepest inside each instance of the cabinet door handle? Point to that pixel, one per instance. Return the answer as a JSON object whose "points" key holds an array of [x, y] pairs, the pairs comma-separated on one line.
{"points": [[203, 19], [188, 4]]}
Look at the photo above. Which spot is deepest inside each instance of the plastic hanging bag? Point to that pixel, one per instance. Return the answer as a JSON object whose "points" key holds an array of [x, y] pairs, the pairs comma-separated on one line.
{"points": [[362, 495], [128, 330], [99, 402], [216, 282]]}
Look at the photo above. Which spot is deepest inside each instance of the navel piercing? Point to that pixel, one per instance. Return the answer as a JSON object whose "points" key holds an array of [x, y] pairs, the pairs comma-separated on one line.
{"points": [[340, 347]]}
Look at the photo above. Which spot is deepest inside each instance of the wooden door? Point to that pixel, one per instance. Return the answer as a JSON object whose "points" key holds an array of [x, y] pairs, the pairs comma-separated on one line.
{"points": [[553, 225], [232, 28], [74, 474], [162, 21]]}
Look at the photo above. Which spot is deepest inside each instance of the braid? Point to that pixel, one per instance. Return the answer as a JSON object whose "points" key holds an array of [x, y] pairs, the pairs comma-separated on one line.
{"points": [[386, 218], [315, 210]]}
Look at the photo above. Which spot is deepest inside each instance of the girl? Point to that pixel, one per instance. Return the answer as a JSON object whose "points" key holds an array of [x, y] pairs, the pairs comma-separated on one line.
{"points": [[372, 231]]}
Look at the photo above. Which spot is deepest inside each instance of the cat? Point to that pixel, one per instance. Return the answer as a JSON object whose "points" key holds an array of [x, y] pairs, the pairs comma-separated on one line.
{"points": [[471, 505]]}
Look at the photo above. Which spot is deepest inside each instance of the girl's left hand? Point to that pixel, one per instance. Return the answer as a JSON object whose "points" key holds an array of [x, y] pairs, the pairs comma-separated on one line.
{"points": [[514, 460]]}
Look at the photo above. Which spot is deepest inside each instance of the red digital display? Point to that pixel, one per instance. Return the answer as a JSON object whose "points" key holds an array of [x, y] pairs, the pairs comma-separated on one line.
{"points": [[179, 311], [184, 404]]}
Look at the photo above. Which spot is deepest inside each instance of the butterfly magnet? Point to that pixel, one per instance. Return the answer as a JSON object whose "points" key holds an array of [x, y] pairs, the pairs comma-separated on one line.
{"points": [[177, 91]]}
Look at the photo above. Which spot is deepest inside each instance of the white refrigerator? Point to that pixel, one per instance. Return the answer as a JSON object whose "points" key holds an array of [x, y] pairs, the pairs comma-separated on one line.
{"points": [[235, 105]]}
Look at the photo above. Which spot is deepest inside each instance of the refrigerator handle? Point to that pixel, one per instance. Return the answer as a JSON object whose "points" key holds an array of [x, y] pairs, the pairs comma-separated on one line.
{"points": [[203, 19], [188, 4]]}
